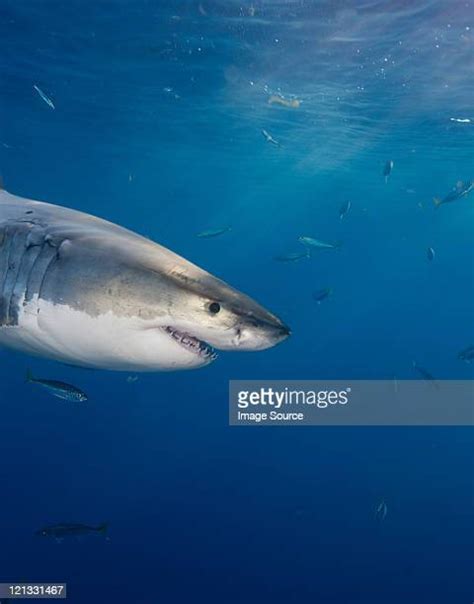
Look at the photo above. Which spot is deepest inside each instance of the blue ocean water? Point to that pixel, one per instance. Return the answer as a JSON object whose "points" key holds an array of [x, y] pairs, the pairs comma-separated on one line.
{"points": [[159, 108]]}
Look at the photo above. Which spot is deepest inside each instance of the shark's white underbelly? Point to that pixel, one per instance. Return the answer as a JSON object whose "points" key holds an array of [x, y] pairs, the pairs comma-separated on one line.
{"points": [[106, 341]]}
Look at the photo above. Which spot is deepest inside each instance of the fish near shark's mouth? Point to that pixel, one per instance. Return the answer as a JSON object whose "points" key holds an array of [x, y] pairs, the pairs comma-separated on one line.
{"points": [[191, 343]]}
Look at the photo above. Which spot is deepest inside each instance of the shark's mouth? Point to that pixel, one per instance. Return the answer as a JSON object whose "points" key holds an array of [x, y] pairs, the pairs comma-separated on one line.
{"points": [[191, 343]]}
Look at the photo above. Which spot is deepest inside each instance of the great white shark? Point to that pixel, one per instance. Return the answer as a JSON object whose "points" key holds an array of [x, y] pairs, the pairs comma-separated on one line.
{"points": [[84, 291]]}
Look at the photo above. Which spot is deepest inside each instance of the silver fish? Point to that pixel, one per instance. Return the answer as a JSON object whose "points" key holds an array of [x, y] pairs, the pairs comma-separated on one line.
{"points": [[344, 209], [322, 294], [71, 529], [292, 257], [269, 138], [460, 190], [381, 511], [45, 98], [467, 354], [213, 233], [426, 375], [59, 389], [387, 170], [310, 242]]}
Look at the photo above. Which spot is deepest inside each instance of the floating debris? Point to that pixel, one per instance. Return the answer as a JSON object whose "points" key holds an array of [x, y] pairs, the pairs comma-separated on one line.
{"points": [[430, 254], [467, 354], [276, 99], [61, 390], [213, 233], [317, 244], [269, 138], [460, 190], [387, 170], [45, 98], [322, 294], [381, 511], [292, 257], [344, 209]]}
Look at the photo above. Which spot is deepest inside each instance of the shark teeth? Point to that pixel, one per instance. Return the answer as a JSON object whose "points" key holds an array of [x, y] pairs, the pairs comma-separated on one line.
{"points": [[191, 343]]}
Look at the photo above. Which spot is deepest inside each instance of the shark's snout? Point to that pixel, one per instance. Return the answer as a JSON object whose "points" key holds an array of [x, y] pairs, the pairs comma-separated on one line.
{"points": [[258, 334]]}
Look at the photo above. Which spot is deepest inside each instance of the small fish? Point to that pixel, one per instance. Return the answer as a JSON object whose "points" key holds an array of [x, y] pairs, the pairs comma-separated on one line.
{"points": [[212, 233], [467, 354], [292, 257], [316, 243], [344, 209], [460, 190], [70, 529], [426, 375], [59, 389], [45, 98], [269, 138], [322, 294], [461, 120], [131, 379], [430, 254], [276, 99], [381, 511], [387, 170]]}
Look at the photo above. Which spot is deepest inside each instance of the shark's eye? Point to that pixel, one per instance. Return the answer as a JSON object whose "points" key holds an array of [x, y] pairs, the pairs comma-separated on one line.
{"points": [[214, 308]]}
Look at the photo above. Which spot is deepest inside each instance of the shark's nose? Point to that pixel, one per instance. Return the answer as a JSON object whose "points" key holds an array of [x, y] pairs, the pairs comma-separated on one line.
{"points": [[282, 331], [277, 329]]}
